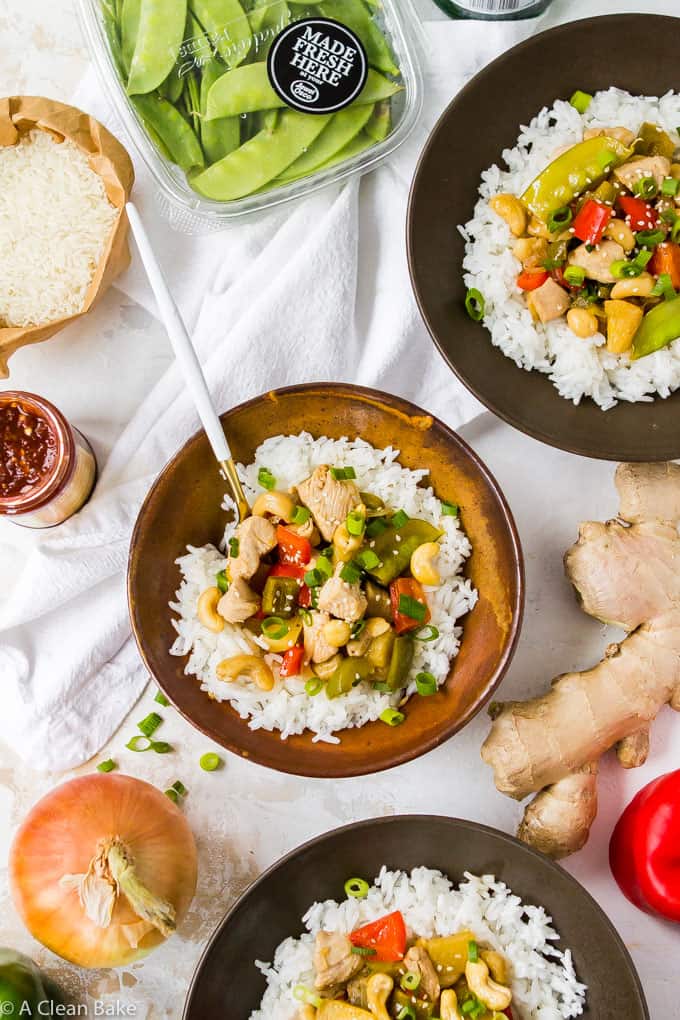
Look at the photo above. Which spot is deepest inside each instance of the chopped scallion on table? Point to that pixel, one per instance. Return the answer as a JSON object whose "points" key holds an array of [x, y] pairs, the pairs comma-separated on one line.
{"points": [[210, 762], [161, 699], [149, 724], [107, 766]]}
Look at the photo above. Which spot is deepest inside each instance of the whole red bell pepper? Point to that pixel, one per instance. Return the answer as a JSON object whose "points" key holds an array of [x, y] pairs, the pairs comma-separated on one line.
{"points": [[666, 259], [639, 215], [591, 221], [532, 279], [387, 936], [644, 852]]}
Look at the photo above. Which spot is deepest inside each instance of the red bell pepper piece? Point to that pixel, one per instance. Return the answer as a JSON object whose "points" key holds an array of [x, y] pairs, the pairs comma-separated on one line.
{"points": [[508, 1012], [386, 935], [643, 852], [532, 279], [666, 259], [292, 661], [293, 570], [293, 548], [639, 215], [409, 588], [591, 221]]}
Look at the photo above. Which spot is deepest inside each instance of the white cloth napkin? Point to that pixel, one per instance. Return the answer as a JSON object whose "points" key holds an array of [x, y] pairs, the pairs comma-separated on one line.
{"points": [[316, 290]]}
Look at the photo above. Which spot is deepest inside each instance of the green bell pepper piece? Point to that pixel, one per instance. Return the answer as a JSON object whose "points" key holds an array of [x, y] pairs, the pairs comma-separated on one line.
{"points": [[22, 991], [400, 663], [279, 597], [577, 169], [395, 546], [659, 328], [654, 141], [350, 672]]}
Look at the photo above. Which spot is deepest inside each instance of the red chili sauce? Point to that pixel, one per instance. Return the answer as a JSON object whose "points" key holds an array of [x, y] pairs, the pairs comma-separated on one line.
{"points": [[28, 449]]}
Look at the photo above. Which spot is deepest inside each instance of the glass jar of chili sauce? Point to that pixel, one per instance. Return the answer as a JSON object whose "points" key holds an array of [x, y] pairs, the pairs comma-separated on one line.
{"points": [[47, 468]]}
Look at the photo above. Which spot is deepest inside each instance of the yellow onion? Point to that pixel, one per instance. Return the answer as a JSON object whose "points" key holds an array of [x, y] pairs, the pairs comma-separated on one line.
{"points": [[103, 869]]}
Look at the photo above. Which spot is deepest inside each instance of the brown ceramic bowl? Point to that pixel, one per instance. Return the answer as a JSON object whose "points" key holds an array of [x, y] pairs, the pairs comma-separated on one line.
{"points": [[184, 507], [271, 910], [482, 120]]}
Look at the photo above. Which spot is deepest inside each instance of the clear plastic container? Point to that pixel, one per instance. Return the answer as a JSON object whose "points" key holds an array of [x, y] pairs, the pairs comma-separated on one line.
{"points": [[279, 100]]}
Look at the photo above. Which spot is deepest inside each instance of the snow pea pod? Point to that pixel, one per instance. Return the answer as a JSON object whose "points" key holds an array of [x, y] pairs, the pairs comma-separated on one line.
{"points": [[227, 26], [222, 136], [159, 36], [110, 19], [660, 327], [129, 29], [261, 159], [343, 127], [174, 131], [380, 124], [354, 14], [247, 90]]}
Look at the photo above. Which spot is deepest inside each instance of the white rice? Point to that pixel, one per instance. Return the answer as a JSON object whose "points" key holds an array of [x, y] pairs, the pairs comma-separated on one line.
{"points": [[287, 707], [544, 984], [577, 368]]}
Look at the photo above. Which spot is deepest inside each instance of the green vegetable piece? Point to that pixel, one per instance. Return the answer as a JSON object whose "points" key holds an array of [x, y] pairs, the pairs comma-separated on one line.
{"points": [[280, 596], [22, 989], [173, 130], [106, 766], [111, 28], [573, 172], [261, 159], [380, 124], [660, 327], [350, 672], [400, 663], [356, 17], [380, 650], [160, 34], [344, 126], [394, 555], [129, 30], [654, 141], [161, 699], [266, 21], [227, 26], [149, 724], [379, 603], [210, 761], [581, 100]]}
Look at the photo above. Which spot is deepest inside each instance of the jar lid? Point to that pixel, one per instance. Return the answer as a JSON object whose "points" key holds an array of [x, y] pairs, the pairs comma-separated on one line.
{"points": [[47, 487]]}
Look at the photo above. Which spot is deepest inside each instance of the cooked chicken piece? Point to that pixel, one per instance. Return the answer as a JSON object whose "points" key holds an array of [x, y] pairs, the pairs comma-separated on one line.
{"points": [[418, 960], [334, 961], [317, 648], [629, 174], [238, 603], [256, 537], [622, 134], [341, 599], [329, 500], [548, 301], [597, 263]]}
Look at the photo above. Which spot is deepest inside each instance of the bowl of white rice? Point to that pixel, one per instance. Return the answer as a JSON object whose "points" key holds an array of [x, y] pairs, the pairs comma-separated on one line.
{"points": [[397, 452], [499, 133], [564, 957]]}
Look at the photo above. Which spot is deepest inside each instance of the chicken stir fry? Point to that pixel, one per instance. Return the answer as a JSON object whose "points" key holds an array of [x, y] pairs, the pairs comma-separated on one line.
{"points": [[597, 235], [330, 586], [378, 973]]}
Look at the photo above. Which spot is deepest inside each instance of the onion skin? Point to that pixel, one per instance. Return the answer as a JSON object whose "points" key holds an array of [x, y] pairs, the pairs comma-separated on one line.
{"points": [[60, 836]]}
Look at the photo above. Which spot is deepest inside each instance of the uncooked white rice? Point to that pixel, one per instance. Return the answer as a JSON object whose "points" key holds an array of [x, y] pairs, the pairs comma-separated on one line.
{"points": [[55, 220], [287, 707], [576, 367], [544, 984]]}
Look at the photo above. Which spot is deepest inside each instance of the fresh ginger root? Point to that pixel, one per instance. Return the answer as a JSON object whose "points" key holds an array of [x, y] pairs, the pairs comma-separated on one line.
{"points": [[626, 572]]}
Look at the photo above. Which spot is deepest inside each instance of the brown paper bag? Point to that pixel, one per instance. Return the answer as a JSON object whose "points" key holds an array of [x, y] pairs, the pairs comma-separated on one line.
{"points": [[108, 158]]}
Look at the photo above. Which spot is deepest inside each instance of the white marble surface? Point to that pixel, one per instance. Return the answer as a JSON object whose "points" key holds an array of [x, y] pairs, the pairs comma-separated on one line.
{"points": [[121, 351]]}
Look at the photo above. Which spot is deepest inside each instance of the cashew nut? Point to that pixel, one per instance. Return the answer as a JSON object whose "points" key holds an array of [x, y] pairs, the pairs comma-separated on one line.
{"points": [[378, 989], [491, 994], [344, 544], [277, 504], [206, 610], [497, 964], [336, 633], [530, 251], [512, 211], [250, 666], [637, 286], [325, 669], [448, 1006], [422, 566], [582, 322]]}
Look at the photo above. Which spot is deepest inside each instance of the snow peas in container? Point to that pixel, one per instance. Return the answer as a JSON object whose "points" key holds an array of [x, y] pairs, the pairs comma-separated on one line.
{"points": [[237, 105]]}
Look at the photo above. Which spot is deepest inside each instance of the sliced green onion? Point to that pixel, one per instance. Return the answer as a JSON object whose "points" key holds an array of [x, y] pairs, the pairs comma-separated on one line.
{"points": [[306, 616], [428, 633], [469, 1006], [380, 685], [675, 230], [179, 786], [410, 981], [426, 684], [161, 746], [474, 304], [368, 559], [550, 264], [645, 188], [210, 761], [400, 519], [450, 509], [107, 766], [357, 888], [621, 269], [472, 951], [351, 572], [664, 287], [222, 580], [266, 478], [149, 724], [161, 699], [172, 795], [560, 219], [356, 523], [648, 238], [357, 628], [343, 474], [642, 258], [376, 527], [301, 515], [669, 186], [274, 628], [408, 606], [307, 995], [313, 686], [312, 578], [575, 276], [324, 566], [581, 100], [407, 1013], [139, 743], [669, 215], [391, 717], [233, 548], [363, 951]]}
